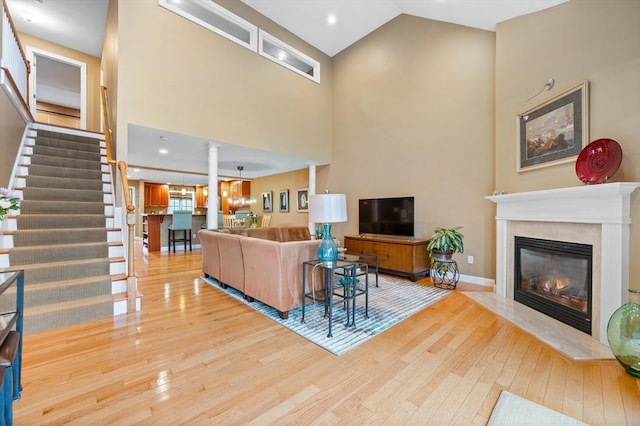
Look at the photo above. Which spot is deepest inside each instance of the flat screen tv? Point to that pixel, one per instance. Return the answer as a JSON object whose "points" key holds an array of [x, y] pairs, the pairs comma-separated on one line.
{"points": [[386, 216]]}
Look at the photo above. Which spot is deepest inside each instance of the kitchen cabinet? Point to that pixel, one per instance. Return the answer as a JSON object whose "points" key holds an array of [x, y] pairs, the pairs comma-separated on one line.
{"points": [[151, 231], [202, 193], [156, 195]]}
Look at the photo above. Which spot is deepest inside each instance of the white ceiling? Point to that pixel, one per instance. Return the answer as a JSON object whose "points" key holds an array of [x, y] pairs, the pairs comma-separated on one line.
{"points": [[80, 25], [356, 18], [192, 154]]}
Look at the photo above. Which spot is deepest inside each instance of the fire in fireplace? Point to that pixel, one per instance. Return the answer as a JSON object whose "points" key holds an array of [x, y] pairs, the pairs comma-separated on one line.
{"points": [[554, 277]]}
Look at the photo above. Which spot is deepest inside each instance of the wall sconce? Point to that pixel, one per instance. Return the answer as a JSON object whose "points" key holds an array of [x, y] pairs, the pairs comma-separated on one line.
{"points": [[548, 85]]}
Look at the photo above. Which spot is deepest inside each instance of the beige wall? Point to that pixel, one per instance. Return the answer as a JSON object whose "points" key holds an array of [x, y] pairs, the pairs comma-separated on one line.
{"points": [[180, 77], [12, 128], [413, 115], [93, 74], [583, 40], [292, 181]]}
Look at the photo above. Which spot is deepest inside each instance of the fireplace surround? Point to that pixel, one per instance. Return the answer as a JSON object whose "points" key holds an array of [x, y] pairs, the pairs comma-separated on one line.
{"points": [[597, 215]]}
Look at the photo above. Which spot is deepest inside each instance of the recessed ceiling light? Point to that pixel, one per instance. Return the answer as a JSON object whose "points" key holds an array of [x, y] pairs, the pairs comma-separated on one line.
{"points": [[331, 19], [163, 151], [136, 170], [164, 138]]}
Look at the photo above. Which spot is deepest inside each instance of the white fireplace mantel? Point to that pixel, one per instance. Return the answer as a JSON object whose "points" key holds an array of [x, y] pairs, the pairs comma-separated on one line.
{"points": [[607, 205]]}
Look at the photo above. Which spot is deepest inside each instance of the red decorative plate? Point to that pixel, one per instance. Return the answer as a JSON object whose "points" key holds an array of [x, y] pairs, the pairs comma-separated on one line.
{"points": [[598, 161]]}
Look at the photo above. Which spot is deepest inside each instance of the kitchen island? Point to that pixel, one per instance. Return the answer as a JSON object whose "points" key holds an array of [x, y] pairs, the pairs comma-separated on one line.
{"points": [[155, 229]]}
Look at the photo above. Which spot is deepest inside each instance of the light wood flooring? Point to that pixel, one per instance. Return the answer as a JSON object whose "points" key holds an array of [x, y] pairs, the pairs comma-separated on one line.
{"points": [[194, 355]]}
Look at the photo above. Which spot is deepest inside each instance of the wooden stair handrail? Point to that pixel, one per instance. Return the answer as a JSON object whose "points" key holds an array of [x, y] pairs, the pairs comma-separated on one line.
{"points": [[15, 35], [122, 166], [107, 125]]}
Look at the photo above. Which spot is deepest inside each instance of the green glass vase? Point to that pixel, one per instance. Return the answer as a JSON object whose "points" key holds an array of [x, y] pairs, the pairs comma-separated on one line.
{"points": [[623, 334]]}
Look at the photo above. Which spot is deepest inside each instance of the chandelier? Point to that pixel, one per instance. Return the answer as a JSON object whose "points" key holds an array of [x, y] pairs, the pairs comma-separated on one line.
{"points": [[241, 201]]}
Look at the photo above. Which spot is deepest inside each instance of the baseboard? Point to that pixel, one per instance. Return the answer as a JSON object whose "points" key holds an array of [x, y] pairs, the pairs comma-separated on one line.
{"points": [[470, 279]]}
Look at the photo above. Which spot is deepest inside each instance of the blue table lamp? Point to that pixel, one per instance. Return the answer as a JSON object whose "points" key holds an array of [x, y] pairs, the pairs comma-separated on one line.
{"points": [[327, 209]]}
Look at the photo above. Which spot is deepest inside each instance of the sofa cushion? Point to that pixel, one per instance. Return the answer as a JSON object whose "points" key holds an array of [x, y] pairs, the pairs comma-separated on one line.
{"points": [[264, 233], [294, 233], [231, 261]]}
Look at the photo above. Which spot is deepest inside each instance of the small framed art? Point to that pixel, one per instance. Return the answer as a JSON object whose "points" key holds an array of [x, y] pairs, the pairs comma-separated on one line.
{"points": [[267, 201], [284, 200], [303, 200]]}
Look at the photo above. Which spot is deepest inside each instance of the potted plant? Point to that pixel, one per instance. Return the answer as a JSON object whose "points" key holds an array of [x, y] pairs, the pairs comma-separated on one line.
{"points": [[442, 245], [444, 242]]}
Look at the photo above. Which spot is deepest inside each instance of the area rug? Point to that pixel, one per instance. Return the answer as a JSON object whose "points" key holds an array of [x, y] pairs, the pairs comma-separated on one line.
{"points": [[514, 410], [393, 301]]}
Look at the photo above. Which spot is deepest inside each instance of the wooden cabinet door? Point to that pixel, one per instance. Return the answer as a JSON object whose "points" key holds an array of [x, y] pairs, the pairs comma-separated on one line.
{"points": [[156, 195], [163, 195], [147, 194], [201, 198]]}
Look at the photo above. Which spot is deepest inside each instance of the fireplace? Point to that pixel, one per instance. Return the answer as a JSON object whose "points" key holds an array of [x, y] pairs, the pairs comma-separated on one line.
{"points": [[554, 278], [597, 215]]}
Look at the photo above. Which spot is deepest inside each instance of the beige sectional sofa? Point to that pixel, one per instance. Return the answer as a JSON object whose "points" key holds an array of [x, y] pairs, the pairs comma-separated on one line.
{"points": [[265, 264]]}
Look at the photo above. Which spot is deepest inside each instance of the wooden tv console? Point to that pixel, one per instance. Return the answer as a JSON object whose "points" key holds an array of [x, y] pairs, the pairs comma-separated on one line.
{"points": [[406, 257]]}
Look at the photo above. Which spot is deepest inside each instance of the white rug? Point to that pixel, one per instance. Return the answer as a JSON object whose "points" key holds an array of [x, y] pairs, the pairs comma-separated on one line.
{"points": [[511, 410], [394, 300]]}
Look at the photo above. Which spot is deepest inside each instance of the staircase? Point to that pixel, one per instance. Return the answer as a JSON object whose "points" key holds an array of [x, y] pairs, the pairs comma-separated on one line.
{"points": [[72, 261]]}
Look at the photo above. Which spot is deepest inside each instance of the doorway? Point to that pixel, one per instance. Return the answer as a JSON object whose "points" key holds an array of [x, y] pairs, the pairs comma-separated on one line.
{"points": [[58, 89]]}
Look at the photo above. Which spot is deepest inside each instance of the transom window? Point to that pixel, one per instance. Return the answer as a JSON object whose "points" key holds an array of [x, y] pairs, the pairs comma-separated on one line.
{"points": [[285, 55], [217, 19]]}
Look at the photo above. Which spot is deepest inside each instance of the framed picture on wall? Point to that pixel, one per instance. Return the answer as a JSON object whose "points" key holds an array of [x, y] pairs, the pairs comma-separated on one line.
{"points": [[267, 201], [303, 200], [555, 131], [284, 200]]}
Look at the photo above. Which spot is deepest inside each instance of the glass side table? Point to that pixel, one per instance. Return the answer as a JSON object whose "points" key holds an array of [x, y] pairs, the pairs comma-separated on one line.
{"points": [[342, 268], [355, 257]]}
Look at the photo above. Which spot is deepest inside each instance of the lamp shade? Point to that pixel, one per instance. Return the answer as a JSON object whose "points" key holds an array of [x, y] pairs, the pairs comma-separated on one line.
{"points": [[328, 208]]}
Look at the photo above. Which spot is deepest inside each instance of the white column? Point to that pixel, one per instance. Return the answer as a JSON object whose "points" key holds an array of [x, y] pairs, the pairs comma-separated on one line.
{"points": [[614, 273], [312, 191], [501, 258], [212, 202]]}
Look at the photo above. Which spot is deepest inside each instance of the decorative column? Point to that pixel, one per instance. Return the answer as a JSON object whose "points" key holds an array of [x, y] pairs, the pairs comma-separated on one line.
{"points": [[312, 191], [212, 200]]}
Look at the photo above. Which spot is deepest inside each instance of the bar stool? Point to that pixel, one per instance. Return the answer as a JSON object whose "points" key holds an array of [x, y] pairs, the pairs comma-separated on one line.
{"points": [[182, 220]]}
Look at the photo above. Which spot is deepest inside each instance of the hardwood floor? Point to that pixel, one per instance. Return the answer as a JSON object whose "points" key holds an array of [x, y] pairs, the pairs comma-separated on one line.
{"points": [[193, 355]]}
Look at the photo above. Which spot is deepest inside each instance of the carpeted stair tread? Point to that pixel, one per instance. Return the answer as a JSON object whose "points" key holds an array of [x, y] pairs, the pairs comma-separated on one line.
{"points": [[68, 137], [65, 314], [71, 163], [61, 271], [64, 183], [43, 221], [70, 304], [35, 237], [60, 291], [66, 144], [63, 172], [57, 253], [60, 207], [62, 194], [65, 153]]}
